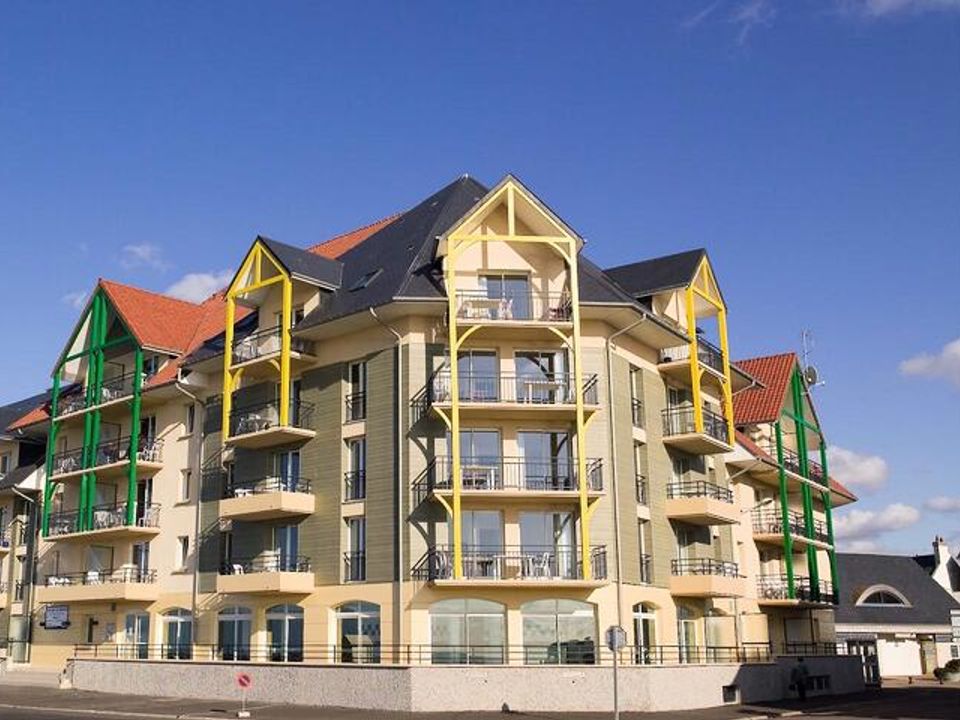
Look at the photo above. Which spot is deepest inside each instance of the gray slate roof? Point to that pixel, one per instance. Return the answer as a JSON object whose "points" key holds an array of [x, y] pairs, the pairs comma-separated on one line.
{"points": [[16, 410], [657, 274], [16, 476], [308, 265], [931, 604]]}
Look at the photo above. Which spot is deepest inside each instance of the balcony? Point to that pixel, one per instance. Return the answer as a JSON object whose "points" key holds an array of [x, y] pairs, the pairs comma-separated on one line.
{"points": [[768, 527], [701, 502], [109, 523], [477, 307], [705, 577], [267, 574], [255, 352], [354, 566], [258, 426], [791, 462], [126, 584], [112, 391], [775, 590], [516, 396], [643, 491], [680, 431], [111, 460], [513, 477], [267, 498], [355, 407], [354, 485], [636, 412], [514, 566], [646, 569]]}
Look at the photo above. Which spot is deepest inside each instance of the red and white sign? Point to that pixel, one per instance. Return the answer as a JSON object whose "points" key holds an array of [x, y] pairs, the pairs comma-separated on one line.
{"points": [[244, 681]]}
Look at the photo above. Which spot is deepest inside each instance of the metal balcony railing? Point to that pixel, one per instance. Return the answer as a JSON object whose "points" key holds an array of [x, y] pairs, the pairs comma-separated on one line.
{"points": [[699, 488], [356, 406], [704, 566], [791, 461], [770, 522], [354, 485], [479, 305], [646, 568], [267, 342], [643, 491], [18, 588], [354, 566], [265, 416], [543, 389], [512, 563], [516, 473], [105, 517], [108, 452], [111, 389], [636, 412], [267, 563], [777, 587], [707, 354], [129, 574], [679, 420], [264, 485]]}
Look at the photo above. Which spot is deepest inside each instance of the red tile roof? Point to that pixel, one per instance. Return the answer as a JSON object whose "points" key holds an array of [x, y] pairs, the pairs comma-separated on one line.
{"points": [[337, 246], [764, 404]]}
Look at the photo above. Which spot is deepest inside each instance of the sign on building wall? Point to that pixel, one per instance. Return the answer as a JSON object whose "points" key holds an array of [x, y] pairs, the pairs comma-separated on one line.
{"points": [[955, 625], [56, 617]]}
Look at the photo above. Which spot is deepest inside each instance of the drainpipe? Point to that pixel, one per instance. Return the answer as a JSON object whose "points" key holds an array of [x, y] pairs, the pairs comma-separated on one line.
{"points": [[195, 593], [399, 488], [613, 461]]}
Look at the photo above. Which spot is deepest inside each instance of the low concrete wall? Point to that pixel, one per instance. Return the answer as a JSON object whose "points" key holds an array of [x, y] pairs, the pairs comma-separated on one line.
{"points": [[459, 688]]}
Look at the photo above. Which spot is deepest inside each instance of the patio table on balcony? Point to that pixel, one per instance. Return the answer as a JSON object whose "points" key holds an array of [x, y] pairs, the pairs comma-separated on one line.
{"points": [[548, 389]]}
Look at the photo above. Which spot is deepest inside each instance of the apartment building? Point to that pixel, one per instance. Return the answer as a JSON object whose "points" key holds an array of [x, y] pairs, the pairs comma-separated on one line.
{"points": [[446, 437]]}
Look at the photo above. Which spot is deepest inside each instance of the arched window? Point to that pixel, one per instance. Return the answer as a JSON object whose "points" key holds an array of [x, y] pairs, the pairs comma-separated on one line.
{"points": [[559, 631], [468, 631], [285, 633], [883, 595], [645, 632], [358, 625], [234, 625], [178, 634]]}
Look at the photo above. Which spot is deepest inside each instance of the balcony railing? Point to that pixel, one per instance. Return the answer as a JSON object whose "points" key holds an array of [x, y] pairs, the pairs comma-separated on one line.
{"points": [[18, 589], [267, 342], [636, 412], [791, 461], [101, 577], [704, 566], [770, 522], [643, 496], [356, 406], [707, 353], [646, 569], [271, 563], [516, 473], [108, 452], [512, 563], [265, 416], [777, 587], [354, 485], [547, 389], [679, 420], [698, 489], [820, 533], [354, 566], [111, 389], [514, 306], [104, 518], [262, 486]]}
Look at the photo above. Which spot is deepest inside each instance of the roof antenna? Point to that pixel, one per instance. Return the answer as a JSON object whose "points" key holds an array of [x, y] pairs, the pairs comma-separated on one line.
{"points": [[810, 373]]}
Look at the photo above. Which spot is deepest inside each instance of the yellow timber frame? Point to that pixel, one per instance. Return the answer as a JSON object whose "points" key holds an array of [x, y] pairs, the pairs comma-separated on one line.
{"points": [[250, 278], [567, 245], [704, 286]]}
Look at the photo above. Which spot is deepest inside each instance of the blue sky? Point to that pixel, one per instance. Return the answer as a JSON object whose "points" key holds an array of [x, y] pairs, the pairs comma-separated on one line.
{"points": [[812, 146]]}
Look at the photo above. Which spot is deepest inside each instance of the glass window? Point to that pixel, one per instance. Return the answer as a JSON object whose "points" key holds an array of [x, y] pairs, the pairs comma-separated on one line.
{"points": [[287, 468], [477, 376], [355, 569], [482, 530], [514, 290], [645, 632], [480, 459], [559, 631], [548, 543], [358, 625], [468, 631], [233, 637], [547, 460], [137, 633], [178, 634], [541, 377], [357, 391], [286, 545], [285, 633], [356, 480]]}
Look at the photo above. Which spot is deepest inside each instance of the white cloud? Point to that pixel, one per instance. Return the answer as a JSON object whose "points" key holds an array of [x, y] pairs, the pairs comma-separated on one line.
{"points": [[863, 546], [751, 14], [76, 300], [889, 8], [863, 526], [868, 472], [196, 287], [143, 255], [945, 364], [944, 504], [697, 18]]}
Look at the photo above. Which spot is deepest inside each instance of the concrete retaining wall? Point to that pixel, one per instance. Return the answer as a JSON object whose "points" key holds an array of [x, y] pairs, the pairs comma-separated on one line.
{"points": [[458, 688]]}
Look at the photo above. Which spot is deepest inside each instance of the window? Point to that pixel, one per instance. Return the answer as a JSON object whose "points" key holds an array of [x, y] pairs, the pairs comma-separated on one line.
{"points": [[643, 527], [4, 463], [882, 595], [639, 469], [178, 634], [559, 631], [645, 632], [286, 547], [234, 625], [542, 377], [287, 469], [151, 365], [285, 633], [358, 626], [355, 559], [547, 460], [480, 460], [478, 379], [365, 279], [183, 552], [355, 481], [357, 391], [468, 631], [136, 629], [687, 635], [636, 395], [186, 481], [148, 430], [191, 418], [549, 540], [514, 290]]}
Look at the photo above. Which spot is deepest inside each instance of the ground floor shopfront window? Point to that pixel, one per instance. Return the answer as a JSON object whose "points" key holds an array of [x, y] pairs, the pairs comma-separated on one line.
{"points": [[178, 634], [358, 627], [234, 626], [559, 631], [468, 631], [285, 633]]}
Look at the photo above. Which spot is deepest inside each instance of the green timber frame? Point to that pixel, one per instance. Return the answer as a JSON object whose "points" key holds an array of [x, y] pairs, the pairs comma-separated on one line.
{"points": [[95, 346], [793, 417]]}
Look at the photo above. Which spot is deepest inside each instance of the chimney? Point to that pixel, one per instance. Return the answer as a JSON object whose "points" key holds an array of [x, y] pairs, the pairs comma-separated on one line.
{"points": [[941, 551]]}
